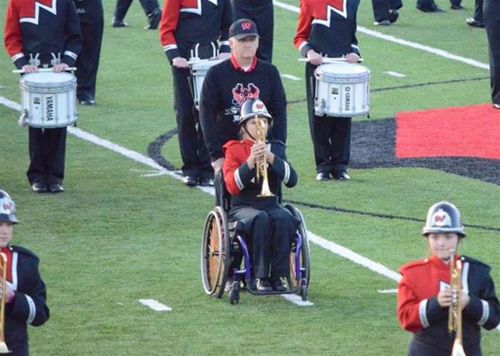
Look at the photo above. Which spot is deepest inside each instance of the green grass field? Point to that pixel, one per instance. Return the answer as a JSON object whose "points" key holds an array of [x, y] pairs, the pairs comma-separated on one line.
{"points": [[116, 236]]}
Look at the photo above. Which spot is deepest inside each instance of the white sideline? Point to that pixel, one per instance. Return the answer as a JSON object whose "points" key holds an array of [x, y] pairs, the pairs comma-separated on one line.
{"points": [[395, 74], [137, 157], [389, 38], [291, 77], [155, 305]]}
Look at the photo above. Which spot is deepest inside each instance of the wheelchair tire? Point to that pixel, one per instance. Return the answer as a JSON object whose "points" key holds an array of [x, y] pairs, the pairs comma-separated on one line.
{"points": [[215, 253], [300, 286]]}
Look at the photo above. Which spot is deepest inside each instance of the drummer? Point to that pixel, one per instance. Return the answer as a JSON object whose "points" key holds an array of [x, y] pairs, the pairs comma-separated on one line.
{"points": [[48, 37], [331, 35], [185, 33]]}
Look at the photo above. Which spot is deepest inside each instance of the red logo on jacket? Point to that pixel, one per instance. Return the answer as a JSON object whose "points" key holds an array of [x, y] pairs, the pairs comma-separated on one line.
{"points": [[242, 94]]}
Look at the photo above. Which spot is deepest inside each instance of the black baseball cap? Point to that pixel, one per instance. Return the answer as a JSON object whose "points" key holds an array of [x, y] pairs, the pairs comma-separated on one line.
{"points": [[243, 28]]}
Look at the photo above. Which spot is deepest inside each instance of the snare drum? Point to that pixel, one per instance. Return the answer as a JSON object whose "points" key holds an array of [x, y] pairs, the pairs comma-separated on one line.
{"points": [[199, 70], [342, 90], [48, 100]]}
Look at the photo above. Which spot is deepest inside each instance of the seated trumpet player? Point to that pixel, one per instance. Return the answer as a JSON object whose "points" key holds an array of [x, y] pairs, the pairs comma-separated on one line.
{"points": [[22, 291], [253, 173], [445, 299]]}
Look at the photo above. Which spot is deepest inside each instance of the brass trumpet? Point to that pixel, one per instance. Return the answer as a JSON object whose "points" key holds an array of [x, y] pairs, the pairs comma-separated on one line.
{"points": [[455, 310], [3, 274], [261, 164]]}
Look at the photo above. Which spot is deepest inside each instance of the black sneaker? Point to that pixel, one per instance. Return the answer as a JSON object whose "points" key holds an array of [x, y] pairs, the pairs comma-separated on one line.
{"points": [[153, 19], [456, 7], [119, 23], [263, 285], [278, 285], [393, 16], [39, 187], [190, 181], [206, 182], [56, 188]]}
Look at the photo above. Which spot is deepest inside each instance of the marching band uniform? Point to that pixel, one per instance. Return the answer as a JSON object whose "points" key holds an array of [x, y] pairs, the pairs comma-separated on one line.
{"points": [[329, 28], [91, 15], [262, 13], [270, 225], [29, 304], [492, 24], [151, 9], [183, 28], [420, 313], [30, 31], [227, 85]]}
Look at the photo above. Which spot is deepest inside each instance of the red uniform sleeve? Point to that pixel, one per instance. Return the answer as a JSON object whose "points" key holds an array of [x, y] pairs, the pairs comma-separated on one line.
{"points": [[409, 307], [168, 27], [12, 36], [303, 25], [233, 161]]}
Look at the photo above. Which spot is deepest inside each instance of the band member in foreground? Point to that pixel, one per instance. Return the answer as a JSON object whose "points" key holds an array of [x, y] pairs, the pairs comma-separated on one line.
{"points": [[425, 295], [44, 36], [327, 29], [25, 297], [270, 226], [187, 32], [230, 83]]}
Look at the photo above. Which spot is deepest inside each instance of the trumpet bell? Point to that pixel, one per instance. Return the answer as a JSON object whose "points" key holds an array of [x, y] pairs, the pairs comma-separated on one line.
{"points": [[458, 349]]}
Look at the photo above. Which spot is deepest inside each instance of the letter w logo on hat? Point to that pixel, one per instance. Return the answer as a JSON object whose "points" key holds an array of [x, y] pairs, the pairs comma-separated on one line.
{"points": [[246, 25], [441, 218]]}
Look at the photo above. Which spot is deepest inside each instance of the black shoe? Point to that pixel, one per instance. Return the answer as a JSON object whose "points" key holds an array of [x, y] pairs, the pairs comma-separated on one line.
{"points": [[119, 23], [342, 175], [393, 16], [206, 182], [431, 8], [190, 181], [382, 23], [56, 188], [278, 285], [496, 106], [89, 101], [39, 187], [456, 7], [153, 19], [473, 23], [263, 285], [323, 176]]}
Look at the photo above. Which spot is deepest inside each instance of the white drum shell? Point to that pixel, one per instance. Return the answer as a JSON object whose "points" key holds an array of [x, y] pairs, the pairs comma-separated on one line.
{"points": [[342, 90], [199, 71], [48, 99]]}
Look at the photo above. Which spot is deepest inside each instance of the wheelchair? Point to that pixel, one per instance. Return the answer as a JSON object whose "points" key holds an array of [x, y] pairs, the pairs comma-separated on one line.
{"points": [[222, 244]]}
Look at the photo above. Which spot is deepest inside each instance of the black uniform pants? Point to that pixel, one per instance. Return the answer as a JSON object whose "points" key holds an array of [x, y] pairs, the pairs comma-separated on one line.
{"points": [[194, 154], [122, 7], [91, 17], [381, 8], [331, 136], [492, 25], [478, 11], [47, 148], [271, 231], [262, 13]]}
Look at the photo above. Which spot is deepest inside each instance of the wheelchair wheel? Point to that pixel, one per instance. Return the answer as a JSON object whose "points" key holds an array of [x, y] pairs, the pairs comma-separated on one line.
{"points": [[215, 253], [300, 284]]}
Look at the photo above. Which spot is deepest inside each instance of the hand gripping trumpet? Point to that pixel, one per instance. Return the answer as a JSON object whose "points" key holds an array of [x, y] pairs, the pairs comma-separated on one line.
{"points": [[3, 274], [261, 164], [455, 310]]}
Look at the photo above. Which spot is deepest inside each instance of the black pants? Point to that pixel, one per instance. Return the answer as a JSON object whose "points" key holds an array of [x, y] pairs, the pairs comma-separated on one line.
{"points": [[492, 25], [91, 17], [271, 230], [122, 7], [262, 13], [478, 11], [331, 136], [194, 154], [47, 148], [381, 8]]}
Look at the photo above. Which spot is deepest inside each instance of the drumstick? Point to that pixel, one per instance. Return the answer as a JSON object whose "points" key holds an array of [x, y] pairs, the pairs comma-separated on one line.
{"points": [[330, 60], [20, 71]]}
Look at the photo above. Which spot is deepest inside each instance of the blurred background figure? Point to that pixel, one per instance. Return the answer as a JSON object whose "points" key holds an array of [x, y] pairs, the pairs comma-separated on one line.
{"points": [[492, 24], [150, 7], [386, 12], [477, 19], [262, 13], [91, 15]]}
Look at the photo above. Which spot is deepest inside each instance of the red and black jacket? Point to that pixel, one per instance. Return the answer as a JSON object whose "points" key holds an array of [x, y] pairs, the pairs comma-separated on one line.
{"points": [[42, 27]]}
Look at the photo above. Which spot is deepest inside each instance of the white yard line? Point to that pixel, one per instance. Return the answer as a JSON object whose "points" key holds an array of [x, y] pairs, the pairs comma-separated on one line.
{"points": [[387, 291], [395, 74], [389, 38], [155, 305], [291, 77]]}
